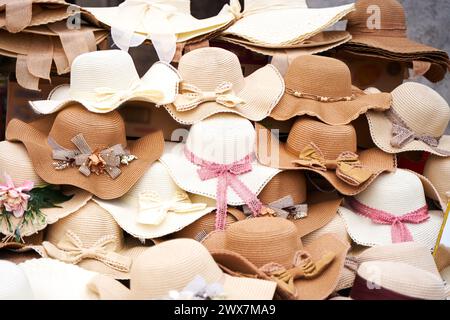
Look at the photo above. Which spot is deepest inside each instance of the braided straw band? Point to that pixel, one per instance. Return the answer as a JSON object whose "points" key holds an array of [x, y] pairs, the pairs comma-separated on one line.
{"points": [[310, 96]]}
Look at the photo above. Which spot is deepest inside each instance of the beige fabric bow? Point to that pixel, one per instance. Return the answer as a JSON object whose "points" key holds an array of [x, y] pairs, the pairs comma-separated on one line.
{"points": [[72, 250], [191, 96], [347, 165]]}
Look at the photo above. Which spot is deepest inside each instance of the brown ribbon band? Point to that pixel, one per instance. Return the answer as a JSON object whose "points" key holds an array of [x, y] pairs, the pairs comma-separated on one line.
{"points": [[392, 33]]}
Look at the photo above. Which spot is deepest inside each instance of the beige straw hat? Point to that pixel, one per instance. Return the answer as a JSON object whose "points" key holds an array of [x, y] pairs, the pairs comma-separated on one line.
{"points": [[28, 203], [437, 170], [271, 248], [213, 83], [155, 206], [100, 88], [169, 269], [336, 227], [393, 209], [87, 150], [401, 128], [309, 147], [322, 87]]}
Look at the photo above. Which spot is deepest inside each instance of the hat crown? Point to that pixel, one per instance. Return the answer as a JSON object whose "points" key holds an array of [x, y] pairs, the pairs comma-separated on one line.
{"points": [[15, 284], [415, 102], [320, 76], [264, 240], [286, 183], [171, 265], [207, 68], [437, 170], [397, 193], [222, 138], [112, 69], [100, 130], [305, 130]]}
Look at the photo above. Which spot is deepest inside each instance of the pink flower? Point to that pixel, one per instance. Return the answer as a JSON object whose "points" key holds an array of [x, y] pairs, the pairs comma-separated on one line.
{"points": [[13, 198]]}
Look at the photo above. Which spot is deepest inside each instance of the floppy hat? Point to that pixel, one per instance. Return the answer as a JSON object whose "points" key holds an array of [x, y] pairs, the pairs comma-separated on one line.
{"points": [[27, 203], [155, 206], [213, 83], [271, 248], [219, 155], [437, 170], [393, 209], [322, 87], [183, 260], [87, 150], [401, 128], [101, 88], [335, 226], [309, 147]]}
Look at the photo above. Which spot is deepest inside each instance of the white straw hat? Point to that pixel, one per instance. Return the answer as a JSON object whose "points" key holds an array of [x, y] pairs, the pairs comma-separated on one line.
{"points": [[392, 209], [155, 206], [437, 170], [102, 81], [15, 284], [336, 227]]}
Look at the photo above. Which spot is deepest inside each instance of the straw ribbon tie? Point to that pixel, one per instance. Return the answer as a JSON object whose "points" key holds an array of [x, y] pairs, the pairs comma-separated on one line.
{"points": [[347, 165], [284, 208], [226, 175], [399, 230], [18, 14], [113, 96], [72, 250], [191, 96]]}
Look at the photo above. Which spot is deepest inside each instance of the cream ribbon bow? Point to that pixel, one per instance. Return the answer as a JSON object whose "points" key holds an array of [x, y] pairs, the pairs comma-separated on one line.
{"points": [[72, 250], [153, 210], [191, 96]]}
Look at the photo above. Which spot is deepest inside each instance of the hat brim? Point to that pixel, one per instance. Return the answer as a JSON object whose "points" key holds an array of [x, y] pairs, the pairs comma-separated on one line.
{"points": [[185, 175], [262, 90], [381, 131], [147, 149], [374, 160]]}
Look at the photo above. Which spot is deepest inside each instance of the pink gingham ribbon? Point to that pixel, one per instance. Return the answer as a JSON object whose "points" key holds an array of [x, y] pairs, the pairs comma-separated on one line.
{"points": [[226, 175]]}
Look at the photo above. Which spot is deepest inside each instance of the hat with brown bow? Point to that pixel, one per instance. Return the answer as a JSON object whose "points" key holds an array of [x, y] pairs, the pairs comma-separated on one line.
{"points": [[87, 150], [309, 147], [271, 249]]}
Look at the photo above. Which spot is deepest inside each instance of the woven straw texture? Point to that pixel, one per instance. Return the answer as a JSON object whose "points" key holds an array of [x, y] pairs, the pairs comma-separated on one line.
{"points": [[336, 227], [15, 285], [437, 170]]}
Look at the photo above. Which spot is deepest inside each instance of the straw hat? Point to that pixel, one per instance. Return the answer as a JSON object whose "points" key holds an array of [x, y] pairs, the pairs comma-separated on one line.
{"points": [[155, 206], [219, 147], [309, 147], [393, 209], [213, 83], [267, 247], [172, 266], [437, 170], [322, 87], [17, 175], [101, 89], [79, 135], [401, 128], [336, 227]]}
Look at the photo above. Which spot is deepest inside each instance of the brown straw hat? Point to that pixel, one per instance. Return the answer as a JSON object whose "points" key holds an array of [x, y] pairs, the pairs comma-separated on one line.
{"points": [[271, 249], [103, 165], [310, 148], [322, 87]]}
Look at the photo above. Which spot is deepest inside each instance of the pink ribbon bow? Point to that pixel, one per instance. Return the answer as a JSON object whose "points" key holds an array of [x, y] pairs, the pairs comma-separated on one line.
{"points": [[13, 198], [399, 231], [227, 177]]}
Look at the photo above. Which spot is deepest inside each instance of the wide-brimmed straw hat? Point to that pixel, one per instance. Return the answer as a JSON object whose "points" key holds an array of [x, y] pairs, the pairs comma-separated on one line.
{"points": [[437, 170], [309, 147], [29, 204], [271, 248], [213, 83], [87, 150], [322, 87], [181, 269], [101, 88], [401, 128], [393, 209], [155, 206]]}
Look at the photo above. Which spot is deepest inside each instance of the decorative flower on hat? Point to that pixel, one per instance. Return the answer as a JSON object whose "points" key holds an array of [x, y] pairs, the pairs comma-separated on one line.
{"points": [[14, 199]]}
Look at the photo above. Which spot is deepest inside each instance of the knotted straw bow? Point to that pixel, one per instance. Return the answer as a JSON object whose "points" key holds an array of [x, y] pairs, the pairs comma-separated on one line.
{"points": [[72, 250], [18, 14], [347, 165], [284, 208], [191, 96], [153, 210], [98, 162]]}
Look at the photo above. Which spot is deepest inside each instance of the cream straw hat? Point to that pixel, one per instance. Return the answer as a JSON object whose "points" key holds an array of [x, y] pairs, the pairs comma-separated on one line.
{"points": [[15, 284], [437, 170]]}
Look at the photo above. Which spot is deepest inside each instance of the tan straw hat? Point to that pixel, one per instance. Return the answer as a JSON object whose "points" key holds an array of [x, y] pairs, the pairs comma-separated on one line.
{"points": [[271, 248], [309, 147], [181, 269], [401, 128], [322, 87], [437, 170], [393, 209], [88, 150], [213, 83]]}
